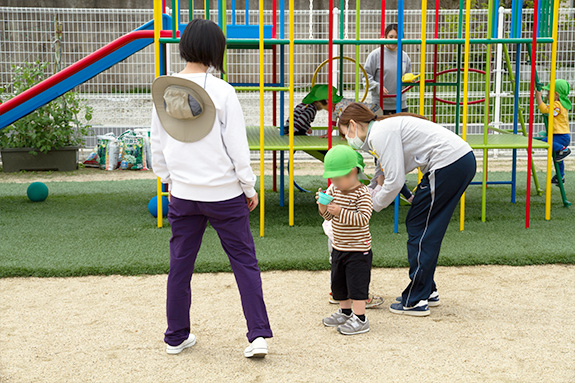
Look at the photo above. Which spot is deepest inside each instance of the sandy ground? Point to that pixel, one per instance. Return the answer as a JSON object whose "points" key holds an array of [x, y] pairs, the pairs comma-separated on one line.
{"points": [[495, 324], [301, 167]]}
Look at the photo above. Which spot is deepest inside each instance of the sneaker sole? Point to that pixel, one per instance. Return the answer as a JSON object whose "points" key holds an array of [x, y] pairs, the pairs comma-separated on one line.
{"points": [[353, 333], [373, 305], [257, 353], [412, 313], [331, 325], [179, 350], [429, 303]]}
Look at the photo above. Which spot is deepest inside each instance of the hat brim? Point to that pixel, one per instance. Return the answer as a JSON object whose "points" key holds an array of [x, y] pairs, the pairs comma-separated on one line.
{"points": [[546, 87], [184, 130], [340, 173]]}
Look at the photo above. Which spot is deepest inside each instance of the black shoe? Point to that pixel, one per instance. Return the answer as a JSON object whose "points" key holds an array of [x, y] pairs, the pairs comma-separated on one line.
{"points": [[555, 180], [560, 155]]}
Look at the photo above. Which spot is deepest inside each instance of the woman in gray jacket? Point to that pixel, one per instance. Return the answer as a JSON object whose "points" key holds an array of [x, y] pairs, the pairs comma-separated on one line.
{"points": [[390, 86], [403, 143]]}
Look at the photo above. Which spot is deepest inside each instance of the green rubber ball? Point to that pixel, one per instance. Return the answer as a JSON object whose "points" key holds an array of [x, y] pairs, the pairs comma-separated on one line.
{"points": [[37, 192]]}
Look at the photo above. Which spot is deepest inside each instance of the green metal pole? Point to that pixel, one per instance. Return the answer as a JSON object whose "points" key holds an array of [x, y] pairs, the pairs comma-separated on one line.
{"points": [[271, 42], [190, 10]]}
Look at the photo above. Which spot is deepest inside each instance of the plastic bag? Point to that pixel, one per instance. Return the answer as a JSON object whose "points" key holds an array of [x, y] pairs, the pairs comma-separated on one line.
{"points": [[92, 161], [132, 151], [107, 151]]}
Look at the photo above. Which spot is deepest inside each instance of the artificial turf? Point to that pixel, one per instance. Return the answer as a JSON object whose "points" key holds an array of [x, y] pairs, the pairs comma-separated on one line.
{"points": [[95, 228]]}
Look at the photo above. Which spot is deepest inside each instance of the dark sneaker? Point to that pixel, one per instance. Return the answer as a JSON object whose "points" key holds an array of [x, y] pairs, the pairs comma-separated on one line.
{"points": [[419, 310], [354, 326], [555, 180], [560, 155], [336, 319], [432, 301]]}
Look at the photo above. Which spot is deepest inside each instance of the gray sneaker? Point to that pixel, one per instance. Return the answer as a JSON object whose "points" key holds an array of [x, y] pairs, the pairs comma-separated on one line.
{"points": [[354, 326], [336, 319]]}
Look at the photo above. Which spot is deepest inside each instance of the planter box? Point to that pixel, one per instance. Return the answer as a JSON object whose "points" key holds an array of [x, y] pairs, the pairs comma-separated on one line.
{"points": [[64, 159]]}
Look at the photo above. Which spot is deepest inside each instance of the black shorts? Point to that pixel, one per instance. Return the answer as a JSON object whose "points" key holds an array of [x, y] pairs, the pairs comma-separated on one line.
{"points": [[350, 274]]}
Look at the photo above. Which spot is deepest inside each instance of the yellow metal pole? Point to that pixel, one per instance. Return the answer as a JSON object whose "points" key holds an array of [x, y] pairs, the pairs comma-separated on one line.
{"points": [[262, 138], [422, 68], [157, 29], [291, 106], [465, 91], [176, 16], [225, 31], [551, 108], [422, 60]]}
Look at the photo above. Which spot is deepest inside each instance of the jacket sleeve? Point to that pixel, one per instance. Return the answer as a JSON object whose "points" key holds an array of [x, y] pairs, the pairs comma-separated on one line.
{"points": [[236, 143], [371, 67], [390, 150], [159, 165], [361, 216]]}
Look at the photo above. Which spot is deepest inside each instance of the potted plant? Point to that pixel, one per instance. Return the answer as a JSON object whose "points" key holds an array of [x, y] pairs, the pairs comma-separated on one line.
{"points": [[49, 137]]}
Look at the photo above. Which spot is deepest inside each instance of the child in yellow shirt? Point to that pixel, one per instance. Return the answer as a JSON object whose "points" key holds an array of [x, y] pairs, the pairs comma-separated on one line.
{"points": [[561, 133]]}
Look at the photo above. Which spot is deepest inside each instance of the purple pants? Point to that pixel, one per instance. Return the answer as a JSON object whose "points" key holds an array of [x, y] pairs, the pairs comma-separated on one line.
{"points": [[230, 219]]}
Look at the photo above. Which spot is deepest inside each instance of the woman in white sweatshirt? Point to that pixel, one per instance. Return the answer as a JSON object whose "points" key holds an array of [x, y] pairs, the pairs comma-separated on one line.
{"points": [[207, 168], [402, 143]]}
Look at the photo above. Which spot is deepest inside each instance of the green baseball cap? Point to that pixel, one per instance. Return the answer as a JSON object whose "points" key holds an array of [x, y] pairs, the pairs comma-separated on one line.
{"points": [[340, 161], [320, 92], [562, 88]]}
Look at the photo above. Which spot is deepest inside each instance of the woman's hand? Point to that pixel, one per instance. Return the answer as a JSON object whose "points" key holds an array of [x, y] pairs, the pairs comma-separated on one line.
{"points": [[334, 209], [252, 202], [380, 180], [385, 91]]}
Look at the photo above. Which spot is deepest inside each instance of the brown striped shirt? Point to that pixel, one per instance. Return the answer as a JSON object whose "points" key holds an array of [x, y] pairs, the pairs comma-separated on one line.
{"points": [[351, 227]]}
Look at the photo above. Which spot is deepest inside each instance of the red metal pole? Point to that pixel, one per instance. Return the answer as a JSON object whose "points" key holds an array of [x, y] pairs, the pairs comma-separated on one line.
{"points": [[381, 49]]}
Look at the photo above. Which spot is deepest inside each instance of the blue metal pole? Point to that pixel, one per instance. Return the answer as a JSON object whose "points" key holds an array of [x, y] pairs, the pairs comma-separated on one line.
{"points": [[248, 12], [398, 94], [516, 13]]}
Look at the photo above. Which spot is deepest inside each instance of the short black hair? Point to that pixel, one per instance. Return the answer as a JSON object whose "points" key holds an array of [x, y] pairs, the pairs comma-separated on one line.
{"points": [[389, 28], [203, 42]]}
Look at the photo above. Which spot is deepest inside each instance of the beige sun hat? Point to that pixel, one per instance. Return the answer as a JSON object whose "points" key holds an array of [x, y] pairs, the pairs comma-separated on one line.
{"points": [[185, 109]]}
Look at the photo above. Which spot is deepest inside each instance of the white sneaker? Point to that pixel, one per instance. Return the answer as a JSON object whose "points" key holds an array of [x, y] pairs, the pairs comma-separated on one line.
{"points": [[173, 350], [257, 349]]}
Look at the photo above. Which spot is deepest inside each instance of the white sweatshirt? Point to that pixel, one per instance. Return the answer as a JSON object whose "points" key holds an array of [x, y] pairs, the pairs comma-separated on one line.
{"points": [[215, 168], [403, 144]]}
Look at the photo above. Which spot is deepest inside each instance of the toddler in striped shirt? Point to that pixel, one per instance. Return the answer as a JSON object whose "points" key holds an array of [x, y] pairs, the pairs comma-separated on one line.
{"points": [[349, 211], [304, 113]]}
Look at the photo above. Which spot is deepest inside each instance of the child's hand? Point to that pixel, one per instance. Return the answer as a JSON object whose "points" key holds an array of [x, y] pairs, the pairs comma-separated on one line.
{"points": [[309, 132], [380, 180], [334, 209], [322, 208], [538, 93]]}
